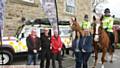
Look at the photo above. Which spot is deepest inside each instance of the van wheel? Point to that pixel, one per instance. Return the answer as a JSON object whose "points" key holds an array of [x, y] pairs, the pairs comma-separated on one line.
{"points": [[5, 57]]}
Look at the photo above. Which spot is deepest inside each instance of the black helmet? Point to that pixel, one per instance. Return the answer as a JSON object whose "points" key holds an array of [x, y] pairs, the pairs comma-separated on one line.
{"points": [[107, 10], [86, 16]]}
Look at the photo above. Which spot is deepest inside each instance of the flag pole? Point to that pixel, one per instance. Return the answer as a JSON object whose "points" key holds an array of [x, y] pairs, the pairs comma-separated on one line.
{"points": [[2, 4], [1, 44], [57, 16]]}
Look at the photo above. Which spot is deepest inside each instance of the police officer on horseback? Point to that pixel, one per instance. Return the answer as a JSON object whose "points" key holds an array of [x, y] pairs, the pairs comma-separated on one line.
{"points": [[108, 25], [85, 25]]}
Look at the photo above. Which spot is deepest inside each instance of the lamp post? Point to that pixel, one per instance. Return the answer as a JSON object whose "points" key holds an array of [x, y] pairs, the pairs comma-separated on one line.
{"points": [[57, 15]]}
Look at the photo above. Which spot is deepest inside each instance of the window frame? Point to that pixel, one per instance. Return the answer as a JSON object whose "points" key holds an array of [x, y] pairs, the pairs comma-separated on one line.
{"points": [[65, 8]]}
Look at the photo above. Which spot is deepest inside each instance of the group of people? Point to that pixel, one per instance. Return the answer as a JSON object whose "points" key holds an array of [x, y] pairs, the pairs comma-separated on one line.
{"points": [[49, 47], [82, 44]]}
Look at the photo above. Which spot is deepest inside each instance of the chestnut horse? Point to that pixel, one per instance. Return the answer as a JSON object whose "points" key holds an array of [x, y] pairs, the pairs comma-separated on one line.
{"points": [[101, 40]]}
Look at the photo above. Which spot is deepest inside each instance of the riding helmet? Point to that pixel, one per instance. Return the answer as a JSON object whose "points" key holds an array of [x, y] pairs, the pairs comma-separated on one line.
{"points": [[107, 10]]}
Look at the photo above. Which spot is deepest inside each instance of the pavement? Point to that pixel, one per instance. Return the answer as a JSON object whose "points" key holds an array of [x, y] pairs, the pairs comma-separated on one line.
{"points": [[69, 62]]}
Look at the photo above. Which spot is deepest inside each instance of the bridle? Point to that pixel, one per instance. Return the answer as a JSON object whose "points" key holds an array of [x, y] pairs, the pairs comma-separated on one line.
{"points": [[96, 33]]}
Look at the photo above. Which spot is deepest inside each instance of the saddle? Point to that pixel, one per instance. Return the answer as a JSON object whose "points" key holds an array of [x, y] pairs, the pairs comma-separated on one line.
{"points": [[115, 37]]}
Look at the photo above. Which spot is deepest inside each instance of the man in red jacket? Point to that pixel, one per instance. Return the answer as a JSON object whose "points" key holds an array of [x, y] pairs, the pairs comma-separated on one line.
{"points": [[56, 47]]}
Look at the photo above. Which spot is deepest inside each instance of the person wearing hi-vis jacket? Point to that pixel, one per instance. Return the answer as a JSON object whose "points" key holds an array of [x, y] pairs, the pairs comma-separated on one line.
{"points": [[56, 47]]}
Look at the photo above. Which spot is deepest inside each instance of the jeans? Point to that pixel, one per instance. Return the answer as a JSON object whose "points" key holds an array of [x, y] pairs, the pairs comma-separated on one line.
{"points": [[32, 58], [58, 58], [82, 58]]}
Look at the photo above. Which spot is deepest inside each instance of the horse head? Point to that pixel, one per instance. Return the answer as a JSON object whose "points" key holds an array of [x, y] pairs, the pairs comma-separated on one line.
{"points": [[97, 27], [76, 27]]}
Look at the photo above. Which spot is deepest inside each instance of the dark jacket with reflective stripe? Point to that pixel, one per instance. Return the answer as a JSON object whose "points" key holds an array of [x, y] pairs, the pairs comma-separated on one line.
{"points": [[33, 45]]}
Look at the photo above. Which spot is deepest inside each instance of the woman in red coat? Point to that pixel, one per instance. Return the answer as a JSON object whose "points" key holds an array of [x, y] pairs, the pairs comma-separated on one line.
{"points": [[56, 47]]}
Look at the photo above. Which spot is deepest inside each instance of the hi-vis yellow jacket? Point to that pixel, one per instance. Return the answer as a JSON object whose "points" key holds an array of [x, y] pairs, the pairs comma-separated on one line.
{"points": [[85, 25], [108, 23]]}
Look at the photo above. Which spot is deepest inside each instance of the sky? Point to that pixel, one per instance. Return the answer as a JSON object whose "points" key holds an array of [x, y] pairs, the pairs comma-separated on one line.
{"points": [[114, 6]]}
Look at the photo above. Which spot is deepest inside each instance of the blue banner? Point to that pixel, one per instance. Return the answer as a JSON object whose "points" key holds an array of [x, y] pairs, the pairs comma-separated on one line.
{"points": [[2, 5], [50, 11]]}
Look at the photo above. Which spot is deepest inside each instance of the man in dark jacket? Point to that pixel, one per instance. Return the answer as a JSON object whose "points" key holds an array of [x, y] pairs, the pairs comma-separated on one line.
{"points": [[33, 44], [45, 49]]}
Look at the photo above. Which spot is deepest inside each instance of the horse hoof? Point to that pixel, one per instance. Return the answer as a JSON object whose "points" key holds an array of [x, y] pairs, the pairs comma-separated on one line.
{"points": [[111, 61], [102, 66]]}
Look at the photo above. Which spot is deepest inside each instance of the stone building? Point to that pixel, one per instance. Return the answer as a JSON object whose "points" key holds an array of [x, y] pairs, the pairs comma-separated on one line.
{"points": [[31, 9]]}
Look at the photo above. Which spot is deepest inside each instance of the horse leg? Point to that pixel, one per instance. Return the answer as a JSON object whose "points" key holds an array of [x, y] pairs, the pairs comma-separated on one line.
{"points": [[111, 51], [96, 57], [103, 56]]}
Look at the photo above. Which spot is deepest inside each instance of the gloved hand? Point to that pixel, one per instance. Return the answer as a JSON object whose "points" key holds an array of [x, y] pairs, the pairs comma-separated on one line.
{"points": [[40, 48], [35, 51], [83, 50], [106, 29], [59, 49], [50, 48]]}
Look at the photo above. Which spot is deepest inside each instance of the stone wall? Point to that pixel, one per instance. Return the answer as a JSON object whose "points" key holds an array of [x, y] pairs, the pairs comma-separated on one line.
{"points": [[16, 9], [82, 7]]}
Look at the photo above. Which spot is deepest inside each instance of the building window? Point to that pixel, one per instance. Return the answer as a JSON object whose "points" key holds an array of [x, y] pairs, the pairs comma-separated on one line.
{"points": [[29, 1], [70, 6]]}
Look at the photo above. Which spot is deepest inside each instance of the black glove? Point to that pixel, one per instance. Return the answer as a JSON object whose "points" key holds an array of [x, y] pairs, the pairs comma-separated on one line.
{"points": [[106, 29]]}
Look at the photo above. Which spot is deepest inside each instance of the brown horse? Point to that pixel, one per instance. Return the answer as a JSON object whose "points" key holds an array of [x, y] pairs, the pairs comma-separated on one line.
{"points": [[101, 40], [76, 27]]}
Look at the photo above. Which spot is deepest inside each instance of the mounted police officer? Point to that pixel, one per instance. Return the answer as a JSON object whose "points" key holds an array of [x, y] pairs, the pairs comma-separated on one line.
{"points": [[108, 25], [86, 25]]}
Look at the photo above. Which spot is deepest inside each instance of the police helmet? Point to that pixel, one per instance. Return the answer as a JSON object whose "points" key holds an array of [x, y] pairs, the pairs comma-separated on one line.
{"points": [[107, 10]]}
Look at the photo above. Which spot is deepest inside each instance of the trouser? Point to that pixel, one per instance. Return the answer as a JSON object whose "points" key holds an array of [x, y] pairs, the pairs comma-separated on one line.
{"points": [[58, 58], [111, 36], [82, 58], [32, 58], [45, 55]]}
